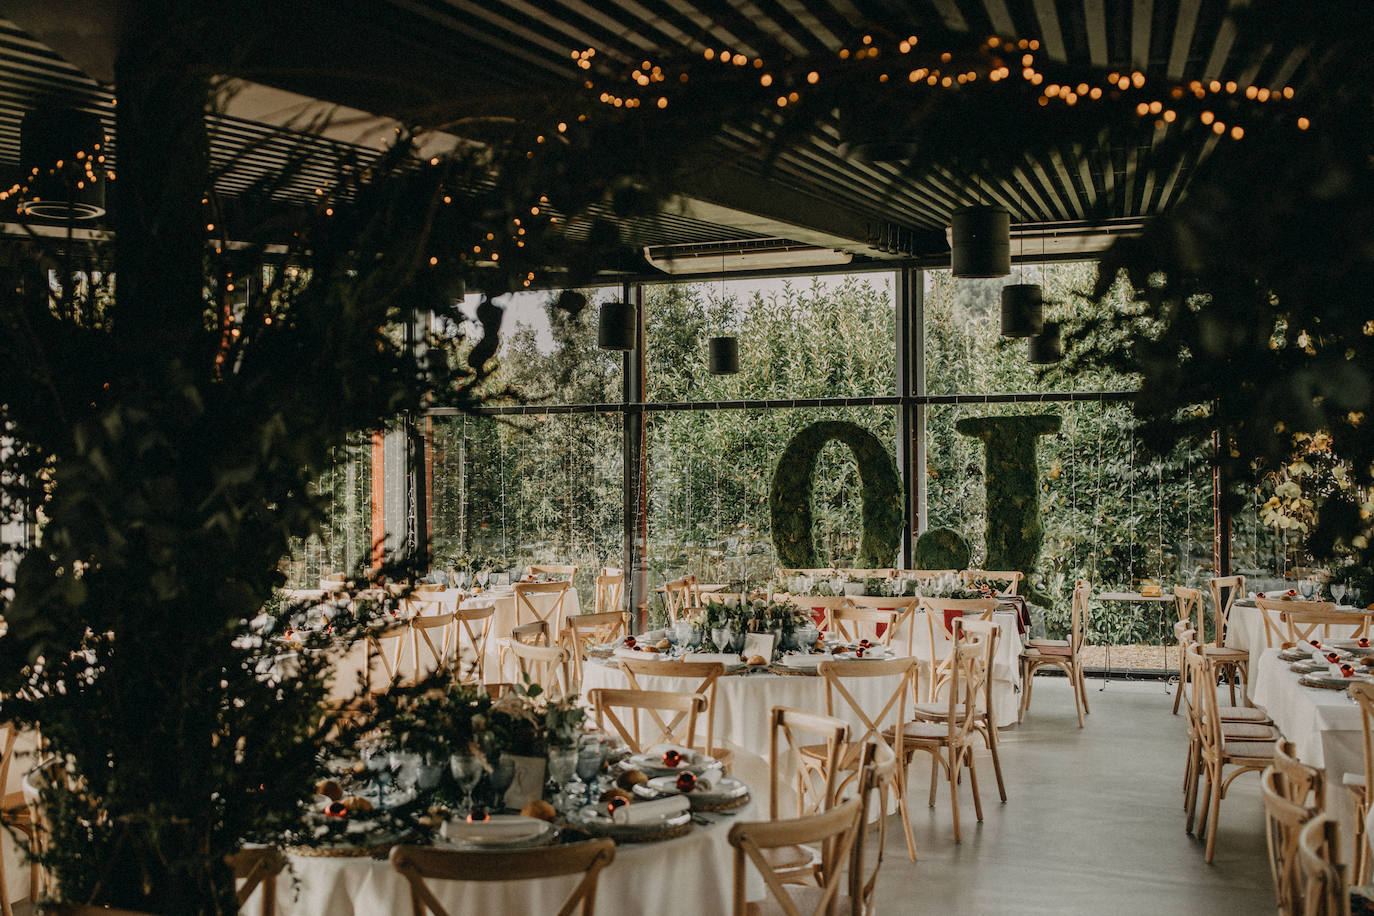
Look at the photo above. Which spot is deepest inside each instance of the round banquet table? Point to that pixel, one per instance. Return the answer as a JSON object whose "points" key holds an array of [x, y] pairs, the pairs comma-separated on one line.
{"points": [[1245, 630], [693, 874]]}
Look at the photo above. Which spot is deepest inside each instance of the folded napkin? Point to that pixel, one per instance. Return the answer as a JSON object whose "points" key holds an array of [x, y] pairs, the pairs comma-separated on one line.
{"points": [[648, 812], [500, 828], [627, 652]]}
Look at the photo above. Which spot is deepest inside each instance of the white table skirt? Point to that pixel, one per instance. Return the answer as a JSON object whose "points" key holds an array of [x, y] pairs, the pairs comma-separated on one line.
{"points": [[693, 874], [1324, 726]]}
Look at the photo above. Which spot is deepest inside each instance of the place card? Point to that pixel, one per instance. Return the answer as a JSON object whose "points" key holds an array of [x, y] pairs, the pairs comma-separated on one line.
{"points": [[760, 644]]}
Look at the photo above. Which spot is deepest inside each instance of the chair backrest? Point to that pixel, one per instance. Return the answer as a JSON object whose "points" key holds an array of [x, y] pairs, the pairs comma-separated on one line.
{"points": [[1204, 708], [587, 630], [256, 867], [704, 673], [589, 857], [878, 777], [1282, 822], [834, 829], [901, 632], [1188, 603], [867, 573], [552, 569], [386, 646], [814, 573], [873, 728], [425, 633], [1224, 590], [610, 592], [968, 673], [473, 628], [1319, 869], [1010, 579], [534, 633], [528, 610], [852, 623], [1302, 784], [648, 724], [9, 735], [790, 731], [1303, 618], [988, 633], [936, 608], [1275, 628], [546, 666], [679, 595]]}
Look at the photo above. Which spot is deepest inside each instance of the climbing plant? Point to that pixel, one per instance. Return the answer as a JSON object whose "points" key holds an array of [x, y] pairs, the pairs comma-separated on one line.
{"points": [[881, 491]]}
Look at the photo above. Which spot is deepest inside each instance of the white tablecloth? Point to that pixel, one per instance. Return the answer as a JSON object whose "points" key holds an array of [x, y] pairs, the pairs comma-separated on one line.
{"points": [[1006, 663], [693, 874], [1245, 630], [1324, 726]]}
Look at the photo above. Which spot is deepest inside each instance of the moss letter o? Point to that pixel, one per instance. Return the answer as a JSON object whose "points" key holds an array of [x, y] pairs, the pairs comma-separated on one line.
{"points": [[881, 491]]}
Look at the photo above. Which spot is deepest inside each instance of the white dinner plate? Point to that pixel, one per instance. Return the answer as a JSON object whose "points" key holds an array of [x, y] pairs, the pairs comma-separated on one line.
{"points": [[499, 830], [652, 763], [724, 789]]}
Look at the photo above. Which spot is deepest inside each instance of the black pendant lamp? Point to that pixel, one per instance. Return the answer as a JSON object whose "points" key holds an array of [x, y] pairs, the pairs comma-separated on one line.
{"points": [[980, 242], [1047, 347], [615, 329], [62, 152], [1023, 310], [724, 355]]}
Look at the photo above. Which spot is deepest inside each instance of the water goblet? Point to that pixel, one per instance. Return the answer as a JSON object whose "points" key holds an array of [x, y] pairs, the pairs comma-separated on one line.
{"points": [[1307, 588], [589, 758], [378, 763], [1338, 590], [562, 768], [466, 769]]}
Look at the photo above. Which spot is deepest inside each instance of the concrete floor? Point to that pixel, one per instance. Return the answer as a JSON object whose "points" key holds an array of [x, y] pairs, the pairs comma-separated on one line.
{"points": [[1093, 822]]}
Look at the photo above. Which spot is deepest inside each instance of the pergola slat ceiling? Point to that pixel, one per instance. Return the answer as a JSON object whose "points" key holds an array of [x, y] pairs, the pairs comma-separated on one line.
{"points": [[502, 49]]}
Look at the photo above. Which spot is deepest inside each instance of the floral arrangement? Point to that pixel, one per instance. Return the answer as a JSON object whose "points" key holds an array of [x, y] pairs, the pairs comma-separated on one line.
{"points": [[758, 615]]}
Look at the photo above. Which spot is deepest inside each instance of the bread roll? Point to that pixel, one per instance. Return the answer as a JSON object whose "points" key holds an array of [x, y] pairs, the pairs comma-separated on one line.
{"points": [[329, 789], [539, 809]]}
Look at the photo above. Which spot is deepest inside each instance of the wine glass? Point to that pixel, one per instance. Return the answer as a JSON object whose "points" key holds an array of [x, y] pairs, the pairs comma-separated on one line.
{"points": [[483, 577], [723, 637], [589, 758], [1338, 591], [562, 767], [500, 778], [467, 769], [1307, 588]]}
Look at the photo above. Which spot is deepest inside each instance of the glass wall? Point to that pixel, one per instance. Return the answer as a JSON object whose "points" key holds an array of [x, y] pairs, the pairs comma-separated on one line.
{"points": [[346, 493]]}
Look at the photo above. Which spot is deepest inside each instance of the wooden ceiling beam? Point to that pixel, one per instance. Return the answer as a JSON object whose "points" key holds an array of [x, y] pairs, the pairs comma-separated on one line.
{"points": [[1051, 37], [1095, 17], [1142, 25], [1180, 52]]}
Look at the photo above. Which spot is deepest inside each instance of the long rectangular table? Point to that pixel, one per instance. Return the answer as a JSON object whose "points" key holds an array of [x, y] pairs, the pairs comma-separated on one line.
{"points": [[1324, 726]]}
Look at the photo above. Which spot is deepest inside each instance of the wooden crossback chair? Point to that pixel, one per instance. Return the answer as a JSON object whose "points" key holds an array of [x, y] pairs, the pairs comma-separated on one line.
{"points": [[926, 575], [942, 631], [985, 720], [706, 674], [852, 623], [527, 610], [1232, 662], [645, 707], [587, 630], [1188, 602], [257, 868], [1008, 579], [1288, 804], [424, 632], [1303, 618], [473, 628], [1322, 876], [901, 632], [834, 830], [610, 592], [680, 595], [815, 573], [589, 857], [880, 768], [546, 666], [947, 739], [1065, 654], [867, 573], [881, 728], [1357, 784], [552, 569], [815, 779], [1247, 748], [534, 633]]}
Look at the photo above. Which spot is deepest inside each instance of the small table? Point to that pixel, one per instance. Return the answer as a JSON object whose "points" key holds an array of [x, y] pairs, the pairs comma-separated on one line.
{"points": [[1138, 598]]}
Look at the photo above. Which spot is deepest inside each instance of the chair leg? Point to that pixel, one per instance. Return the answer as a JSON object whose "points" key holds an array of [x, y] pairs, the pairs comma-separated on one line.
{"points": [[1182, 674], [1083, 688], [902, 775], [973, 784], [996, 760], [1078, 698], [1359, 862], [1231, 681], [1203, 781], [952, 772], [1215, 816], [933, 769]]}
